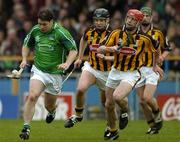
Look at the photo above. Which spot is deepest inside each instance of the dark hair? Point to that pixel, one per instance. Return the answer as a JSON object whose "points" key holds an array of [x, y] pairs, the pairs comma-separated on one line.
{"points": [[45, 15]]}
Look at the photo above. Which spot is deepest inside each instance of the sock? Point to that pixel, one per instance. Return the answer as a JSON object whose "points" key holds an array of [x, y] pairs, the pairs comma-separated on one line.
{"points": [[156, 111], [26, 125], [151, 122], [79, 112], [113, 130]]}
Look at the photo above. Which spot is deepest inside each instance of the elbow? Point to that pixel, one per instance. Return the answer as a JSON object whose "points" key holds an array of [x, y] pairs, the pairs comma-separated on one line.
{"points": [[75, 52]]}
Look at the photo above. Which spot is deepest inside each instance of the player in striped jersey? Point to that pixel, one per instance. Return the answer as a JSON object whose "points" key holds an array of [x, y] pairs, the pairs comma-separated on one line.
{"points": [[146, 87], [96, 69], [129, 47]]}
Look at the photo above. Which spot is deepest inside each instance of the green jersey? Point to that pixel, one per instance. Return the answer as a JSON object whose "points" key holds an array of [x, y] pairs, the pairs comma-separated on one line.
{"points": [[51, 48]]}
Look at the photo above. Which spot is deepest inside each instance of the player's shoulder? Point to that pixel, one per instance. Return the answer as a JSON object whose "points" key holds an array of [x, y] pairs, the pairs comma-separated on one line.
{"points": [[115, 32], [35, 28], [144, 36], [158, 31], [60, 29], [58, 26], [89, 29]]}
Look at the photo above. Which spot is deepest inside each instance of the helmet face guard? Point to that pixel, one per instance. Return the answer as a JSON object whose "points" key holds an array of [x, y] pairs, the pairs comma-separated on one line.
{"points": [[147, 11], [133, 18], [101, 18]]}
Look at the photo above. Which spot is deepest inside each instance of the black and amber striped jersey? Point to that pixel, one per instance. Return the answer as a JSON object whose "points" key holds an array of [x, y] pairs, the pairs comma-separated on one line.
{"points": [[137, 41], [157, 35], [95, 39]]}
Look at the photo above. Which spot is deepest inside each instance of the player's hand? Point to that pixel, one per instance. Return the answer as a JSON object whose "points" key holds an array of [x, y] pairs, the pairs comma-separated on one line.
{"points": [[23, 64], [157, 69], [100, 56], [63, 66], [77, 63], [101, 49], [160, 60]]}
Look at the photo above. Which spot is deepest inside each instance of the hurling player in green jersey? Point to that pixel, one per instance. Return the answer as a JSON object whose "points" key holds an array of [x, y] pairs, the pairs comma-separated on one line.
{"points": [[54, 51]]}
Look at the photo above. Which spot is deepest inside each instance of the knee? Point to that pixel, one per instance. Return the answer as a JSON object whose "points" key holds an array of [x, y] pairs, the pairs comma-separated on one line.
{"points": [[81, 89], [33, 96], [148, 99], [142, 102], [116, 97]]}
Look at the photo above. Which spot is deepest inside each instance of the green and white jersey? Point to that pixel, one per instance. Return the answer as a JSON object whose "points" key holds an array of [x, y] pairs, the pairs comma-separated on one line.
{"points": [[51, 48]]}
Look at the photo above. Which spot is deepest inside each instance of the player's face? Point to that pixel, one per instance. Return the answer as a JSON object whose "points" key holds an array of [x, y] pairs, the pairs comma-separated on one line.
{"points": [[45, 26], [100, 23], [130, 22], [147, 19]]}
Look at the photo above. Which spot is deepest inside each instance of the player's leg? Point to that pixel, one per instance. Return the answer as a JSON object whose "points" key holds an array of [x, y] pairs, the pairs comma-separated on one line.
{"points": [[111, 132], [35, 89], [145, 107], [152, 102], [123, 117], [128, 81], [51, 93], [111, 97], [85, 81], [50, 105], [103, 97], [119, 95]]}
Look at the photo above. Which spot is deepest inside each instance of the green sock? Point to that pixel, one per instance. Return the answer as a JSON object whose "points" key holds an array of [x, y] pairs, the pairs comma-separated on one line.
{"points": [[26, 125]]}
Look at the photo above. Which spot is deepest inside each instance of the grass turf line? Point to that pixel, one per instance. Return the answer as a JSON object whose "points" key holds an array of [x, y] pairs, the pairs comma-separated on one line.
{"points": [[86, 131]]}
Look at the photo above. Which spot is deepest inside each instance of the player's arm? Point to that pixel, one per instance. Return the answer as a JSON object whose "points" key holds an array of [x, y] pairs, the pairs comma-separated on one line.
{"points": [[69, 44], [166, 50], [71, 57], [25, 53], [82, 47], [29, 42], [107, 58], [111, 44]]}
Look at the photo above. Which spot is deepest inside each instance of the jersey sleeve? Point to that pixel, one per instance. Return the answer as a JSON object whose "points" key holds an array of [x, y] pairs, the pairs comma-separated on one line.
{"points": [[29, 41], [67, 40], [163, 41], [167, 46], [85, 36], [153, 44]]}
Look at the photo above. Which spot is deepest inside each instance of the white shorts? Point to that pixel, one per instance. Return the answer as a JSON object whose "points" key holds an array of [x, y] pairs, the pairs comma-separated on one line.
{"points": [[148, 76], [53, 82], [101, 76], [116, 76]]}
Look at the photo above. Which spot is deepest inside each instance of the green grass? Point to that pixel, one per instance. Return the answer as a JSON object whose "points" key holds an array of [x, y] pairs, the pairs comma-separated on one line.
{"points": [[86, 131]]}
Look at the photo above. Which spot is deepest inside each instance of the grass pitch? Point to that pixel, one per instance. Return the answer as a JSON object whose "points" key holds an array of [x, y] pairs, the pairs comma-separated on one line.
{"points": [[86, 131]]}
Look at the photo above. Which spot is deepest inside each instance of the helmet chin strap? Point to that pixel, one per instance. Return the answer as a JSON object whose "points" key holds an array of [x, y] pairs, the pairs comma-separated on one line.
{"points": [[107, 26]]}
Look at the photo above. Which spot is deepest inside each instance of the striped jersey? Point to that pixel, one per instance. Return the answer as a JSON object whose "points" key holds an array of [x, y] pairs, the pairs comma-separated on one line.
{"points": [[137, 41], [157, 35], [51, 48], [94, 39]]}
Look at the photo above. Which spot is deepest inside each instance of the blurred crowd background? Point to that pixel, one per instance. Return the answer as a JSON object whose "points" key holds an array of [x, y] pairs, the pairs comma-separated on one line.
{"points": [[18, 16]]}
